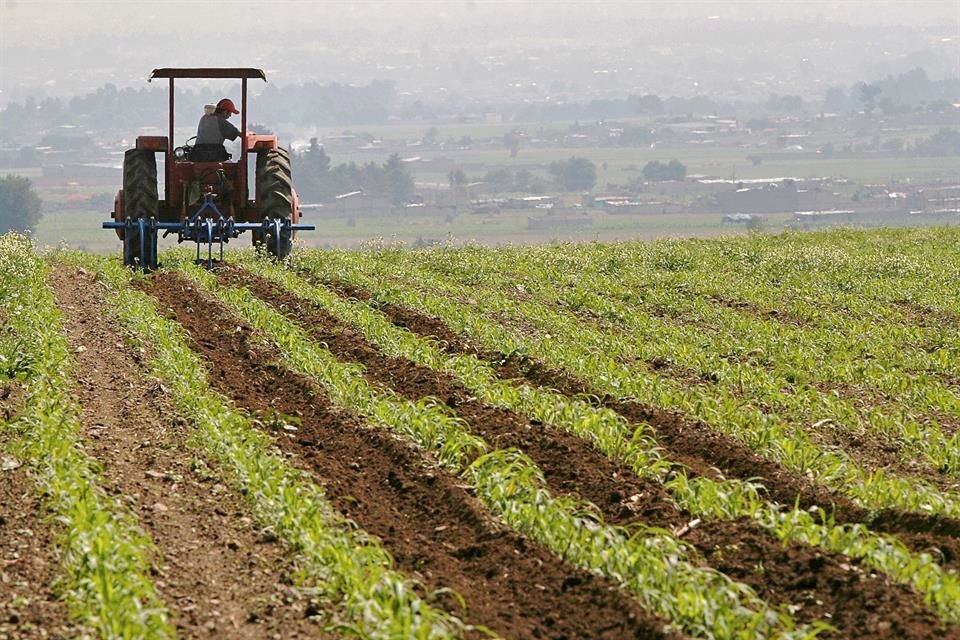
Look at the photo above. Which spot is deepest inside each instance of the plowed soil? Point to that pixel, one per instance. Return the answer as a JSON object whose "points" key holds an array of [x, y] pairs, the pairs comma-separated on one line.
{"points": [[29, 608], [218, 576], [823, 586], [221, 577], [692, 443], [432, 526]]}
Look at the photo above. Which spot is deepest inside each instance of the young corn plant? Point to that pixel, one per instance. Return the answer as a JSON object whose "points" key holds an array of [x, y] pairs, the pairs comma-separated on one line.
{"points": [[105, 555], [564, 343], [787, 350], [334, 557], [649, 563], [633, 445]]}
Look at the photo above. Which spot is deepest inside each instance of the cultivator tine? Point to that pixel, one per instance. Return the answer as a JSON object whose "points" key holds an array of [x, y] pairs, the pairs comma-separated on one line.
{"points": [[210, 241], [142, 235], [277, 237]]}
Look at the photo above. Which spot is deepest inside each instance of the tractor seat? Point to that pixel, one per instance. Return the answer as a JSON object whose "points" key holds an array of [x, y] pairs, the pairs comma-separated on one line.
{"points": [[208, 153]]}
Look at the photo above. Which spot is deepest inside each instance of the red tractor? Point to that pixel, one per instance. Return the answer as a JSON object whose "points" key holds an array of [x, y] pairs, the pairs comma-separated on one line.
{"points": [[205, 201]]}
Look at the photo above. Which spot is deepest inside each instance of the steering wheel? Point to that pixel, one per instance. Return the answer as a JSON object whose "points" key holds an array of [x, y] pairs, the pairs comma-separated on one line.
{"points": [[183, 152]]}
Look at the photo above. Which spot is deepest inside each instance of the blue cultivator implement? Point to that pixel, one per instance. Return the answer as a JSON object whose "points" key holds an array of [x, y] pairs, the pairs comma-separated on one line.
{"points": [[204, 229], [206, 199]]}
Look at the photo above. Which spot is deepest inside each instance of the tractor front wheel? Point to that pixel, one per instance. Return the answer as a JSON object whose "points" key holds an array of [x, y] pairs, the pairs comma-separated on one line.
{"points": [[275, 199]]}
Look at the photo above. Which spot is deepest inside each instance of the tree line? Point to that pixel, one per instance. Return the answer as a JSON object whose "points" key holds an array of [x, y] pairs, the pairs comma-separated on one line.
{"points": [[314, 104], [129, 108], [318, 181]]}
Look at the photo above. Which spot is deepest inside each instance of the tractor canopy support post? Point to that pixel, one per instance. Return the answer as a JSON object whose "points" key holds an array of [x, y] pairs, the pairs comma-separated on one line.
{"points": [[243, 144], [168, 157]]}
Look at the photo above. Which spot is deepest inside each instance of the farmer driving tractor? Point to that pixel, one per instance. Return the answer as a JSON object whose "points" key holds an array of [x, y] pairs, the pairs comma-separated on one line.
{"points": [[212, 130]]}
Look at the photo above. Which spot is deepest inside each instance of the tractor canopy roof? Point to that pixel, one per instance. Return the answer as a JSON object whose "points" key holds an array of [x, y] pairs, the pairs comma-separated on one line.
{"points": [[208, 72]]}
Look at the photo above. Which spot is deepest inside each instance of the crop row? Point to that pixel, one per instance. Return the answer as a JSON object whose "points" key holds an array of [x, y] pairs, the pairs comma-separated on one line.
{"points": [[649, 563], [332, 556], [610, 433], [867, 292], [850, 272], [826, 288], [799, 361], [105, 555], [561, 340]]}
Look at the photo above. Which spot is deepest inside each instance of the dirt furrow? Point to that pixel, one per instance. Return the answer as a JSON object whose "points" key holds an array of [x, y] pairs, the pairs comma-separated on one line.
{"points": [[824, 586], [692, 443], [29, 607], [570, 464], [875, 452], [688, 441], [218, 576], [702, 449], [426, 519]]}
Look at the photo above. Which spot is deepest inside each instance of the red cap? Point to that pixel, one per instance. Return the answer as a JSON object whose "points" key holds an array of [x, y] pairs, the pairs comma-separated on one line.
{"points": [[227, 105]]}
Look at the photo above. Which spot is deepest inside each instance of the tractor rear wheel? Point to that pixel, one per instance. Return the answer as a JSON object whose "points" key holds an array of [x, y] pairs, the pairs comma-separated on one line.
{"points": [[275, 198], [140, 199]]}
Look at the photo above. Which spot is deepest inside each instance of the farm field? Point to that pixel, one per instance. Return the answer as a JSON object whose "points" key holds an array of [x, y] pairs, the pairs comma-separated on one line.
{"points": [[742, 437]]}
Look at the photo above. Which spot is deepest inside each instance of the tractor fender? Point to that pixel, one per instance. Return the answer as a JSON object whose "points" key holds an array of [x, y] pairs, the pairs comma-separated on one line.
{"points": [[257, 143], [152, 143]]}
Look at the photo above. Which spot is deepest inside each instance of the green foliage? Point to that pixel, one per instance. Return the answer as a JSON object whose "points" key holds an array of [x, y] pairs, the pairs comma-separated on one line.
{"points": [[633, 136], [945, 142], [511, 140], [343, 563], [19, 205], [575, 174], [504, 180], [650, 563], [105, 555], [593, 310], [457, 178], [656, 171], [792, 319], [785, 104], [867, 94], [317, 181]]}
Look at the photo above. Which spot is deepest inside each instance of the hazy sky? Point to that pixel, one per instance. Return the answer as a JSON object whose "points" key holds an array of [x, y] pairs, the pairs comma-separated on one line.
{"points": [[23, 21], [62, 47]]}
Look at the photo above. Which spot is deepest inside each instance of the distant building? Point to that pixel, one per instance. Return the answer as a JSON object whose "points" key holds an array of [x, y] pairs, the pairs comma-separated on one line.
{"points": [[634, 207], [810, 219], [531, 202], [357, 204], [777, 197]]}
